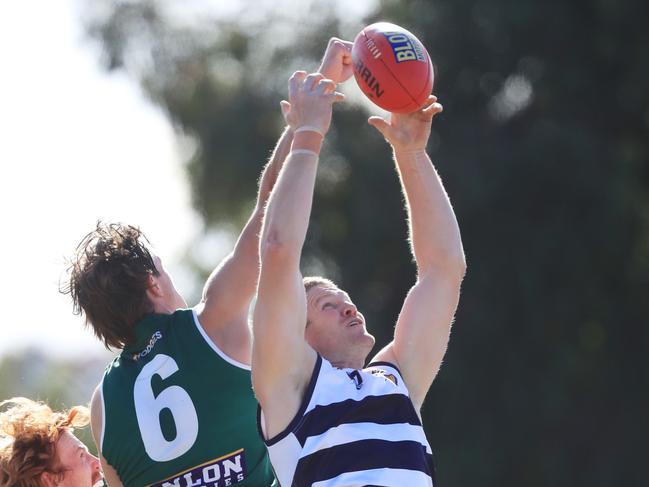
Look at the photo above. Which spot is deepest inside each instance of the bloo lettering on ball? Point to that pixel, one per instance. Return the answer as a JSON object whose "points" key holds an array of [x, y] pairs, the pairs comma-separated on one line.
{"points": [[404, 48]]}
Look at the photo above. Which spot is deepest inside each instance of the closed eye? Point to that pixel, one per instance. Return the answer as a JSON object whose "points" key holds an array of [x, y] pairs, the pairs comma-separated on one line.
{"points": [[327, 305]]}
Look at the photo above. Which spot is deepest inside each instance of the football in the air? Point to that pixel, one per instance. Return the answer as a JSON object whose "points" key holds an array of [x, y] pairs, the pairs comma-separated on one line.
{"points": [[392, 67]]}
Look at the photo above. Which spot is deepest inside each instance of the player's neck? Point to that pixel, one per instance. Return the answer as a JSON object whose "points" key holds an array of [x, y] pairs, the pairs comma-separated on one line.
{"points": [[163, 308]]}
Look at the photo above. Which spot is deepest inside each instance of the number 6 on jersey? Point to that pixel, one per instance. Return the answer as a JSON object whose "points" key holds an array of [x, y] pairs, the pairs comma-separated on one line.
{"points": [[173, 398]]}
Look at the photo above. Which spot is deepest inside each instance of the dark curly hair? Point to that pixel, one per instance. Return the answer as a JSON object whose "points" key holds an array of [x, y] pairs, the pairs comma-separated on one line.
{"points": [[108, 278]]}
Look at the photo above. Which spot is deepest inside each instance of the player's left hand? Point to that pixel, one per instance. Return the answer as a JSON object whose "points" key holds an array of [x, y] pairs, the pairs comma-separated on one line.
{"points": [[408, 131], [336, 63]]}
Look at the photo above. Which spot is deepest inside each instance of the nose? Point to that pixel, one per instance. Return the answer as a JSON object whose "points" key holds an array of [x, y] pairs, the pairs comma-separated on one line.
{"points": [[94, 462], [349, 310]]}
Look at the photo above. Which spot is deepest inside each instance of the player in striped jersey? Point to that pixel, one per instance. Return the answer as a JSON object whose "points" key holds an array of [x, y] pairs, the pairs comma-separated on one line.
{"points": [[328, 420]]}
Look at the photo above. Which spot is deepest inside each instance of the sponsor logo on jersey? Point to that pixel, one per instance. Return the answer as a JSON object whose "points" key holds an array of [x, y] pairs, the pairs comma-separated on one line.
{"points": [[154, 338], [405, 48], [391, 377], [227, 470]]}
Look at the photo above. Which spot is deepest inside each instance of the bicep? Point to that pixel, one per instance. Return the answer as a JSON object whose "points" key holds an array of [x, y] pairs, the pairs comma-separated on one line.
{"points": [[231, 285], [422, 333], [281, 356]]}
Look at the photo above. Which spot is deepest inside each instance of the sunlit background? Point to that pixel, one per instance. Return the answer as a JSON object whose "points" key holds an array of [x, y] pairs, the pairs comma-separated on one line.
{"points": [[161, 113], [76, 145], [102, 151]]}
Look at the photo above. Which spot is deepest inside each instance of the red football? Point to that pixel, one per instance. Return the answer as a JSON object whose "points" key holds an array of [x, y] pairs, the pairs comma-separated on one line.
{"points": [[392, 67]]}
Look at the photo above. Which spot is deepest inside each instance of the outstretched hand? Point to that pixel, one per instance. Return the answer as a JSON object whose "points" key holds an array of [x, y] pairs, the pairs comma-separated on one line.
{"points": [[408, 131], [311, 98]]}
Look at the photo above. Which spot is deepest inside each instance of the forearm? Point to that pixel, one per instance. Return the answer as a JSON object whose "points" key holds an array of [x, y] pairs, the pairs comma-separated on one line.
{"points": [[271, 171], [248, 243], [424, 323], [434, 232], [289, 205]]}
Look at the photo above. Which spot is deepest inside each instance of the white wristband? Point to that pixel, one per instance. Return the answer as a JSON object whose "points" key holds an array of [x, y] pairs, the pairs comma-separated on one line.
{"points": [[305, 152], [409, 152], [308, 128]]}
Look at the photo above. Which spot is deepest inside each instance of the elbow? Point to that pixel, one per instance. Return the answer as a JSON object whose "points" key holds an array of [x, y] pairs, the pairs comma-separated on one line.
{"points": [[273, 248], [456, 268], [455, 265], [461, 266], [452, 269], [456, 272]]}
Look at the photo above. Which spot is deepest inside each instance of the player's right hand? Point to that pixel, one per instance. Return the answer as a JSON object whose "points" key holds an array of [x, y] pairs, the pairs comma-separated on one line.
{"points": [[408, 131], [310, 101]]}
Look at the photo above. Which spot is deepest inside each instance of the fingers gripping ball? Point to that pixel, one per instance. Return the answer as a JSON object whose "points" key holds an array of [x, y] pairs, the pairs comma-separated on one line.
{"points": [[392, 67]]}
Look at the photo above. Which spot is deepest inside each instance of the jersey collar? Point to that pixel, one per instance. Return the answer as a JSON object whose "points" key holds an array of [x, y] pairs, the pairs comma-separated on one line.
{"points": [[145, 330]]}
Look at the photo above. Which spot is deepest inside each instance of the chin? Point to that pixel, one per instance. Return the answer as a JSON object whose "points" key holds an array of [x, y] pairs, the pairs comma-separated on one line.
{"points": [[367, 342], [367, 335]]}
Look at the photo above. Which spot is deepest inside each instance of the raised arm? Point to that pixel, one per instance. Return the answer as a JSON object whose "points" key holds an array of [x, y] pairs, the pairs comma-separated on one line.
{"points": [[228, 291], [282, 362], [424, 324], [223, 310]]}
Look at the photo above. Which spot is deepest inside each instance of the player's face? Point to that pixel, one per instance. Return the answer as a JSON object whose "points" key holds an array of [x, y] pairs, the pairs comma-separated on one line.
{"points": [[81, 468], [335, 328], [173, 298]]}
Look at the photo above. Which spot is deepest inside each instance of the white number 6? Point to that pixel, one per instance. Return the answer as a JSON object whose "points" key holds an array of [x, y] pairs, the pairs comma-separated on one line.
{"points": [[148, 408]]}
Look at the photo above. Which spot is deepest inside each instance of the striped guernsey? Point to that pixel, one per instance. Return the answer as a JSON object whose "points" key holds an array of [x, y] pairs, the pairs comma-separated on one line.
{"points": [[354, 428]]}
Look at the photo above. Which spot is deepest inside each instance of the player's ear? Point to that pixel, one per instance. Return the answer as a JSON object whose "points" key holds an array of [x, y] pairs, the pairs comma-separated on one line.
{"points": [[47, 480], [153, 289]]}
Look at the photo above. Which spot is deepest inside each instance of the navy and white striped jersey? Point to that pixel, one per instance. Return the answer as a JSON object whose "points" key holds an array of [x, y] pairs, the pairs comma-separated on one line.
{"points": [[354, 428]]}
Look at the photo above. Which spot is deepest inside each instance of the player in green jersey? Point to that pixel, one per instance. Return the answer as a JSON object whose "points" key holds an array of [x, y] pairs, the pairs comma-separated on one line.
{"points": [[176, 408]]}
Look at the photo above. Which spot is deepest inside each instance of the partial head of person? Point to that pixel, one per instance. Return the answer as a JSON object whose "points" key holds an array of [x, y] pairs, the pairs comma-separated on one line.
{"points": [[115, 281], [335, 328], [38, 447]]}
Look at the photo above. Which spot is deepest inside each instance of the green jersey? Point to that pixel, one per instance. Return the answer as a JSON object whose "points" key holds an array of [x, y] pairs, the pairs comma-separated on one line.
{"points": [[178, 412]]}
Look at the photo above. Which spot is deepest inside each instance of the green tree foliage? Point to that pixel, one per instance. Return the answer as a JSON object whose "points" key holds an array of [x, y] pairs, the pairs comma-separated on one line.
{"points": [[60, 383], [544, 148]]}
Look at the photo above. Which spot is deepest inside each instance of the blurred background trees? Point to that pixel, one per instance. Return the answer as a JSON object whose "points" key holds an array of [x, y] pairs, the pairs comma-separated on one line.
{"points": [[544, 150]]}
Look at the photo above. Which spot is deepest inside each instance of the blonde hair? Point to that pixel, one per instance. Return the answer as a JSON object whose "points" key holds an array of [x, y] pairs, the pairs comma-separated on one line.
{"points": [[313, 281], [29, 431]]}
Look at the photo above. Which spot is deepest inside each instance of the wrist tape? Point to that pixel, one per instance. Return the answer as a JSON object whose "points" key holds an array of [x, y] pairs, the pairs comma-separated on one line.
{"points": [[305, 152], [309, 128]]}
